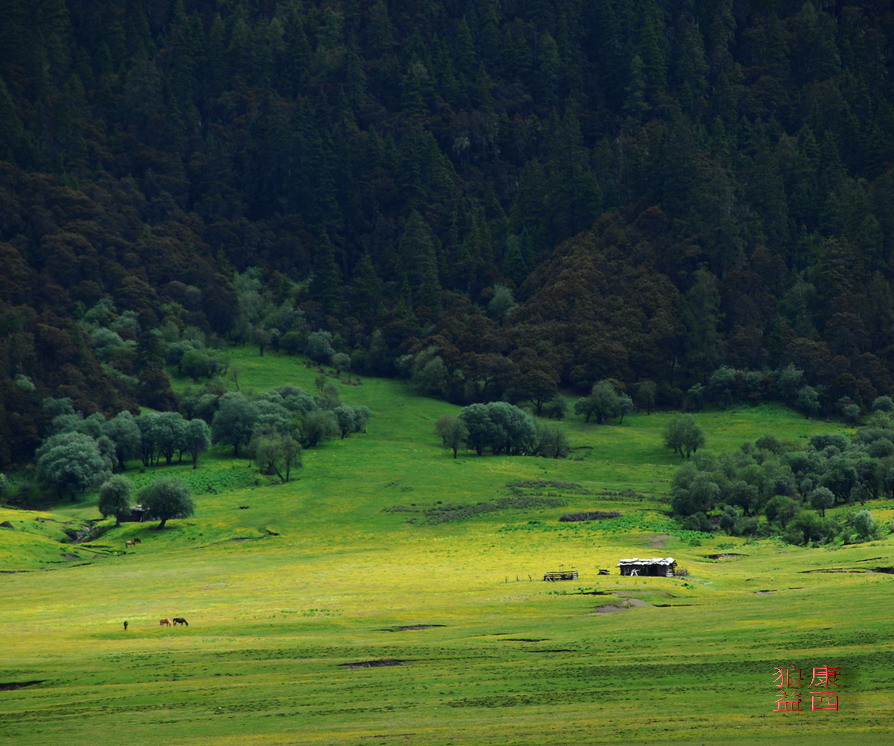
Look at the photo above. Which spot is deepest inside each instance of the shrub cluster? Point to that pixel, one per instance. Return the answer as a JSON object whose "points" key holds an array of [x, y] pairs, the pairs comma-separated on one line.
{"points": [[502, 428], [593, 515], [768, 487], [787, 384], [447, 513]]}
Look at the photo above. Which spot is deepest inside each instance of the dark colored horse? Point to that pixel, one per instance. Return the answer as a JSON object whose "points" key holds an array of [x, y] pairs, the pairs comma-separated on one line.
{"points": [[180, 620]]}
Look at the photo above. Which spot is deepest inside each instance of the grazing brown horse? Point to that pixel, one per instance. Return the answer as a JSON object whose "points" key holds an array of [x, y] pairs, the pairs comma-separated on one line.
{"points": [[165, 623], [180, 620]]}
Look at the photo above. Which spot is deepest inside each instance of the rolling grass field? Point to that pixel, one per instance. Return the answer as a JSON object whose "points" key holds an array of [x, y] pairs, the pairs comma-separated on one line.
{"points": [[293, 591]]}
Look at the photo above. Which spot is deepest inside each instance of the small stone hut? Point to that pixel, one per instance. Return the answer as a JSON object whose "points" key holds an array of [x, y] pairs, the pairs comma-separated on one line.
{"points": [[136, 515], [662, 567]]}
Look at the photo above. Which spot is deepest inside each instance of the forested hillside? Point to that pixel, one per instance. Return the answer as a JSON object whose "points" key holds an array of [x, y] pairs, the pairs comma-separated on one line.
{"points": [[496, 197]]}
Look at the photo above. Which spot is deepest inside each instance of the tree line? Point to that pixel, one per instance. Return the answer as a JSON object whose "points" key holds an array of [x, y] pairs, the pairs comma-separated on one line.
{"points": [[541, 193], [271, 428]]}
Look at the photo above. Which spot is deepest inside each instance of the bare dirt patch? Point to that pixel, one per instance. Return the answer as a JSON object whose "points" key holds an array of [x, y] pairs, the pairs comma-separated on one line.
{"points": [[659, 540], [626, 605], [636, 602], [834, 569], [727, 555], [764, 593], [610, 608], [19, 685], [390, 735], [553, 650], [407, 627], [523, 639], [375, 664], [232, 539]]}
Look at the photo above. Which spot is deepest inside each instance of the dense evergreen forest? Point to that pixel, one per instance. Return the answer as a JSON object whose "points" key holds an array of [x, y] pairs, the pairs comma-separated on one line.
{"points": [[495, 197]]}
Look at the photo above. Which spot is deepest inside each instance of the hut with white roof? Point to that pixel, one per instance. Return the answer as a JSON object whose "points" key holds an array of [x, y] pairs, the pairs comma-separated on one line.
{"points": [[655, 567]]}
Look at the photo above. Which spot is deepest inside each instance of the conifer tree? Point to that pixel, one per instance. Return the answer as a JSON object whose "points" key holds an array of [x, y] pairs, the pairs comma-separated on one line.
{"points": [[326, 282], [418, 258], [701, 318]]}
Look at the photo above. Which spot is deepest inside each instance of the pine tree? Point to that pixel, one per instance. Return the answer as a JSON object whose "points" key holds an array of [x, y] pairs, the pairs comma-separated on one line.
{"points": [[418, 260], [53, 28], [703, 343], [326, 282], [549, 71], [651, 48], [690, 66], [574, 195], [366, 297], [635, 105], [14, 144]]}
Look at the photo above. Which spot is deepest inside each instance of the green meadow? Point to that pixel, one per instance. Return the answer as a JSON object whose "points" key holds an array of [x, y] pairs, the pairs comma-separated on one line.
{"points": [[365, 602]]}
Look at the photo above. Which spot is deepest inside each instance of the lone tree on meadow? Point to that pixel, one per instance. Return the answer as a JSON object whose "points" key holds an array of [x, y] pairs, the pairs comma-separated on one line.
{"points": [[275, 452], [169, 432], [480, 428], [341, 361], [125, 434], [351, 419], [646, 393], [537, 387], [822, 498], [625, 406], [69, 463], [234, 421], [166, 499], [601, 404], [683, 435], [453, 432], [552, 442], [114, 498], [197, 439], [318, 426]]}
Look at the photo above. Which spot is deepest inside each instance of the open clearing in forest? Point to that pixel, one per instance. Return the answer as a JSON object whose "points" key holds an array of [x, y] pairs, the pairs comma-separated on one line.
{"points": [[331, 610]]}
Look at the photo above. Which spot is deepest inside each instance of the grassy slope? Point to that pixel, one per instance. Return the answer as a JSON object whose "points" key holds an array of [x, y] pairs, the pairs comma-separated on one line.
{"points": [[313, 573]]}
